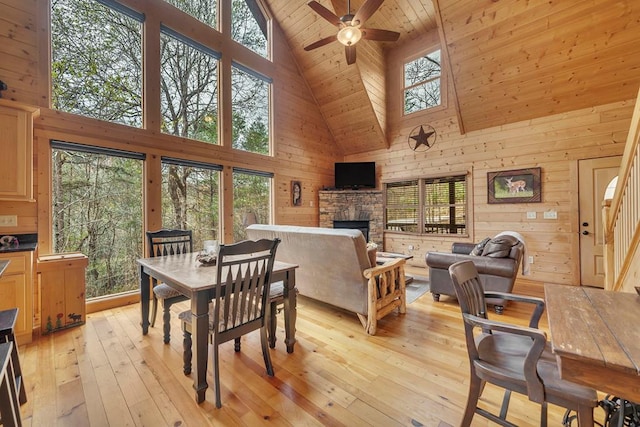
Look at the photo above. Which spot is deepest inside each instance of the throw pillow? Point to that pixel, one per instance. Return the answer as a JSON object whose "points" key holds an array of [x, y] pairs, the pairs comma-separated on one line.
{"points": [[499, 247], [477, 250]]}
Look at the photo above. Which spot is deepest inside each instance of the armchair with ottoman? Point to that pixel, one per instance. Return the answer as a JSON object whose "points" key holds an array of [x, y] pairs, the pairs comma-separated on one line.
{"points": [[497, 260]]}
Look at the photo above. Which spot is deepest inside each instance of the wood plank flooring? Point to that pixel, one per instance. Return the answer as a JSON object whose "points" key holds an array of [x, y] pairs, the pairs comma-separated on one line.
{"points": [[413, 373]]}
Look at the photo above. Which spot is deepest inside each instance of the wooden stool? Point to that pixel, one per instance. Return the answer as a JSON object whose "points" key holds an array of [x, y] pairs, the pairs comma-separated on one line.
{"points": [[9, 407], [7, 325]]}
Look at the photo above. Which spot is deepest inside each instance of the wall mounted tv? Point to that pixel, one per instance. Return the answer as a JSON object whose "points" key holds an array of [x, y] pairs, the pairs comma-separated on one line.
{"points": [[355, 175]]}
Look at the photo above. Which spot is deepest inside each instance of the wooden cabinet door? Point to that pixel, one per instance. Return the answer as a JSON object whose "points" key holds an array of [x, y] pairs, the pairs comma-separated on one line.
{"points": [[16, 146], [16, 291]]}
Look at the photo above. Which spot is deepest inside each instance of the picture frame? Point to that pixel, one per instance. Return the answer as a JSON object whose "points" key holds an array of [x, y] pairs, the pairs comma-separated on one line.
{"points": [[514, 186], [296, 193]]}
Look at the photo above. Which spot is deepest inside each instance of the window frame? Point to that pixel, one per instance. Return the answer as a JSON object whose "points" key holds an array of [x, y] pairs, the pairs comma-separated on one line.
{"points": [[441, 78], [421, 205]]}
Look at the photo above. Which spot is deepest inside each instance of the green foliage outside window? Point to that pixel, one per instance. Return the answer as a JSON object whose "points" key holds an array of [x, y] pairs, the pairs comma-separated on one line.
{"points": [[97, 210]]}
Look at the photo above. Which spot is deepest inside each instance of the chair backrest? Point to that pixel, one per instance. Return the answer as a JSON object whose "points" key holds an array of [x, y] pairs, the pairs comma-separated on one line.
{"points": [[243, 278], [468, 288], [169, 242]]}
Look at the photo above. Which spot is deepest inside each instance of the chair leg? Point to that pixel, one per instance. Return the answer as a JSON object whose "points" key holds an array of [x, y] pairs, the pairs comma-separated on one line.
{"points": [[236, 344], [271, 321], [475, 388], [216, 374], [154, 310], [543, 414], [166, 320], [499, 309], [186, 352], [585, 416], [265, 351]]}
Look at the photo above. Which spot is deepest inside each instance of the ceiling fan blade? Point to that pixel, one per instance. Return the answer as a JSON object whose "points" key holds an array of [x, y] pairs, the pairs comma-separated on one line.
{"points": [[366, 10], [324, 12], [379, 35], [320, 43], [350, 52]]}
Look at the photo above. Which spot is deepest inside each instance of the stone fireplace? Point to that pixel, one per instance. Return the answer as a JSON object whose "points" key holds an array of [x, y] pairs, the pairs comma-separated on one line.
{"points": [[357, 209]]}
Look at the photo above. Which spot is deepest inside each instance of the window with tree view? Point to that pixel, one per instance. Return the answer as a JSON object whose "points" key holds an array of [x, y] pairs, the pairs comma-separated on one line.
{"points": [[249, 26], [191, 198], [250, 103], [427, 205], [97, 210], [96, 68], [251, 200], [422, 83], [205, 11], [189, 88]]}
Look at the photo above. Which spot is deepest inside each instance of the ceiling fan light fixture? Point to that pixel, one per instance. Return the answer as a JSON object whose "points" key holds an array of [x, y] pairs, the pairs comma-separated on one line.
{"points": [[349, 35]]}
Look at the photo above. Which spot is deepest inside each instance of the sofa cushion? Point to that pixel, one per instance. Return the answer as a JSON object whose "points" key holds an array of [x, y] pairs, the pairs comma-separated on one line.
{"points": [[499, 247], [479, 248]]}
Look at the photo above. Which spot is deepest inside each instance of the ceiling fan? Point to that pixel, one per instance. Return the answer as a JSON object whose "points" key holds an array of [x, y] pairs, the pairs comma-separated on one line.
{"points": [[351, 30]]}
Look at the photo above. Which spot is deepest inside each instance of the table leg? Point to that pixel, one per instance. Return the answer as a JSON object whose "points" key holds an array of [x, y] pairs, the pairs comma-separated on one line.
{"points": [[290, 301], [200, 335], [144, 300]]}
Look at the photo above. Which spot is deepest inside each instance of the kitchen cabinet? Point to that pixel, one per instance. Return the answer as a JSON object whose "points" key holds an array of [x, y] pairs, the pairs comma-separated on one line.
{"points": [[16, 290], [62, 286], [16, 146]]}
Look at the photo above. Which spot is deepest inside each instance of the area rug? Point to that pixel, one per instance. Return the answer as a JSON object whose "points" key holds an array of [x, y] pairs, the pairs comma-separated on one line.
{"points": [[418, 287]]}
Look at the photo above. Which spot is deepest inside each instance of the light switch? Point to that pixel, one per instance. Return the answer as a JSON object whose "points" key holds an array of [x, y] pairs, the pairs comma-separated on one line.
{"points": [[551, 215], [531, 215]]}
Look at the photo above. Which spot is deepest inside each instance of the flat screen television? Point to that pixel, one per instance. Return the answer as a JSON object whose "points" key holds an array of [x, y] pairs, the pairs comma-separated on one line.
{"points": [[355, 175]]}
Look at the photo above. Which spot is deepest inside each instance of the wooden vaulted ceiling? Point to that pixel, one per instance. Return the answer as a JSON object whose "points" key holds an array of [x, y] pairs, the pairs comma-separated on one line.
{"points": [[509, 60]]}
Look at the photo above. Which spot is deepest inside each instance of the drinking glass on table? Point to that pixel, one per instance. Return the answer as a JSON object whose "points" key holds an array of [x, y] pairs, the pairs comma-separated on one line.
{"points": [[211, 247]]}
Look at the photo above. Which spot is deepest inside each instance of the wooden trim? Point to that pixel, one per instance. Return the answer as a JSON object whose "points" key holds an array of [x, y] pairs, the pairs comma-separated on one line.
{"points": [[113, 301]]}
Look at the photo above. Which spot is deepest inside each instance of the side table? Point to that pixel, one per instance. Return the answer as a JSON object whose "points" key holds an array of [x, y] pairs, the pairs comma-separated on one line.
{"points": [[382, 257], [7, 326]]}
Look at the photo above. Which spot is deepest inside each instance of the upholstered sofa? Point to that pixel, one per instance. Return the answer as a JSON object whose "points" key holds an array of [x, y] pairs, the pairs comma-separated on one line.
{"points": [[497, 261], [334, 267]]}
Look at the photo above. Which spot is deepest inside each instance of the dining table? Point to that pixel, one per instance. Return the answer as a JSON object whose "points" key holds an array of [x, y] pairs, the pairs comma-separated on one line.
{"points": [[595, 336], [197, 281]]}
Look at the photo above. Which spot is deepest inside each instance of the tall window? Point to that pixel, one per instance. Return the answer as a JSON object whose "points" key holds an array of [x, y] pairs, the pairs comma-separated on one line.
{"points": [[189, 88], [250, 103], [251, 200], [422, 83], [205, 11], [427, 205], [191, 198], [249, 26], [97, 210], [96, 68]]}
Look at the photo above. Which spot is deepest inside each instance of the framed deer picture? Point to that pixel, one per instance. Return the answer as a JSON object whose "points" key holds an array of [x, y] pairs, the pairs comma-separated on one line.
{"points": [[515, 186]]}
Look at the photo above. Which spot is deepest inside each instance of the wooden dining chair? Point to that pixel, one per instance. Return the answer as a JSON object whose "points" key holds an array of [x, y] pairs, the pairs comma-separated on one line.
{"points": [[161, 243], [513, 357], [240, 300]]}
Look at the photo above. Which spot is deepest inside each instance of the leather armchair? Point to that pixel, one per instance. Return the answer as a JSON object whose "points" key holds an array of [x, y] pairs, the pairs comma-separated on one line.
{"points": [[498, 271]]}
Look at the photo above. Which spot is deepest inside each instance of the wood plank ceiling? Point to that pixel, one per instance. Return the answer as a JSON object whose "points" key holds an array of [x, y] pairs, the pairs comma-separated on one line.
{"points": [[510, 60]]}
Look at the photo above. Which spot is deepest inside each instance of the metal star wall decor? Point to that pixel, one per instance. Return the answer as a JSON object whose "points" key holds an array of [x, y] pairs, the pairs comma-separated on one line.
{"points": [[422, 138]]}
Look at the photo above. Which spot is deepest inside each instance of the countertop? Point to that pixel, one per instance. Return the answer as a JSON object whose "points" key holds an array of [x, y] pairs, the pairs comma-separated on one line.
{"points": [[26, 242]]}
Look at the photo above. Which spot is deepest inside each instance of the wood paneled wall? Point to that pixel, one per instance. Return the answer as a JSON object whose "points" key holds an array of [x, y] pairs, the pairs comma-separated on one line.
{"points": [[554, 143], [304, 148]]}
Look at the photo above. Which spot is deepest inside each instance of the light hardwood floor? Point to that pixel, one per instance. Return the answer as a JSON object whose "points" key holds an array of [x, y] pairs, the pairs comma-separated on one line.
{"points": [[413, 373]]}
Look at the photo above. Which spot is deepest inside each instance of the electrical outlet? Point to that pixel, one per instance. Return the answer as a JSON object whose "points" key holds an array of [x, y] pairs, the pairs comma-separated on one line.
{"points": [[530, 260], [8, 220], [531, 215], [551, 215]]}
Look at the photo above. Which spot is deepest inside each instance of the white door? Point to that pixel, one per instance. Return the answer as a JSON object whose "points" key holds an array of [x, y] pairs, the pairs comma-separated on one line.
{"points": [[594, 175]]}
